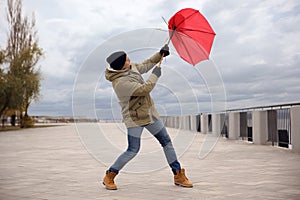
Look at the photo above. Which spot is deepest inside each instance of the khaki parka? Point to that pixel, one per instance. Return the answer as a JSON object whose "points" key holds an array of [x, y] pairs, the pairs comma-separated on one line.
{"points": [[134, 93]]}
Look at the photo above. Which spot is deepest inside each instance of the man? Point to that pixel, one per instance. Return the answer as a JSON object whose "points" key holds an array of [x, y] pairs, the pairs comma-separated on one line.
{"points": [[139, 112]]}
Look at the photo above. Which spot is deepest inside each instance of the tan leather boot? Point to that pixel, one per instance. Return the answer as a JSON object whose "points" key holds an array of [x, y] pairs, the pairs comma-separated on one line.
{"points": [[108, 180], [181, 180]]}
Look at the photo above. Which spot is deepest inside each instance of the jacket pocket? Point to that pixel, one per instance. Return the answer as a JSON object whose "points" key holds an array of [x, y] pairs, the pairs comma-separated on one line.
{"points": [[138, 108]]}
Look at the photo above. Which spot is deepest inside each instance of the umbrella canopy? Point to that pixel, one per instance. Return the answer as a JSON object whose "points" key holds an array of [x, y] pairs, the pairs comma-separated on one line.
{"points": [[191, 35]]}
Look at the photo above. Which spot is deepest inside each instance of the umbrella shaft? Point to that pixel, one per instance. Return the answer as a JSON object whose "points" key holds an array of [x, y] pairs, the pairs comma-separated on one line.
{"points": [[172, 34], [162, 56]]}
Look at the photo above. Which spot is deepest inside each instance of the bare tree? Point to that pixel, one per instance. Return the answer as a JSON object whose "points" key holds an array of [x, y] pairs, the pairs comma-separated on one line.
{"points": [[22, 55]]}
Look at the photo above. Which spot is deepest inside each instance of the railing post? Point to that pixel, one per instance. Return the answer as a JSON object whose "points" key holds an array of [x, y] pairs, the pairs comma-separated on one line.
{"points": [[234, 126], [260, 127], [204, 123], [193, 120], [185, 120], [216, 124], [295, 128]]}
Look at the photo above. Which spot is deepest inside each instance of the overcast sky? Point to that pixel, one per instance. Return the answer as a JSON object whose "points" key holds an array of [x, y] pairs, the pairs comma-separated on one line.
{"points": [[255, 56]]}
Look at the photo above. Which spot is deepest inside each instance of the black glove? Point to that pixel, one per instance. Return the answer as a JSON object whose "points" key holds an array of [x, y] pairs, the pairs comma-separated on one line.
{"points": [[157, 71], [164, 50]]}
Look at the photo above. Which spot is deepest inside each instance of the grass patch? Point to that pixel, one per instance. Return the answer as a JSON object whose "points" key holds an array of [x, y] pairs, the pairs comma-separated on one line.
{"points": [[9, 128]]}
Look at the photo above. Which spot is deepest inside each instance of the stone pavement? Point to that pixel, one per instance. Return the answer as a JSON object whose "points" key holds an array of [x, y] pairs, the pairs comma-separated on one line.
{"points": [[52, 163]]}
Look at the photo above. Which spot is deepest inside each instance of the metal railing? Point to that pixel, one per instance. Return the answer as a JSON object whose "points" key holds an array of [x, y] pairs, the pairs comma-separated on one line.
{"points": [[279, 122]]}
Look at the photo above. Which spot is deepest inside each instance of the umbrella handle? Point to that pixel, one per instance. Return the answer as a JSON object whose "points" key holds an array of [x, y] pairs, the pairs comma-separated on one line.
{"points": [[162, 57]]}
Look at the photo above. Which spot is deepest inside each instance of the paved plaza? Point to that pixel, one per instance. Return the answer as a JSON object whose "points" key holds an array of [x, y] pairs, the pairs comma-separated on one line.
{"points": [[52, 163]]}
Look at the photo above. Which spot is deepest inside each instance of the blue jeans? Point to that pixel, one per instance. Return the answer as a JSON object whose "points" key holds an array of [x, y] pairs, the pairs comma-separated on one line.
{"points": [[158, 130]]}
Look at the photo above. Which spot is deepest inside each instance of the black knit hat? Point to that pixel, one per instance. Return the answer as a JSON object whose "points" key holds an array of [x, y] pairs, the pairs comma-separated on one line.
{"points": [[117, 60]]}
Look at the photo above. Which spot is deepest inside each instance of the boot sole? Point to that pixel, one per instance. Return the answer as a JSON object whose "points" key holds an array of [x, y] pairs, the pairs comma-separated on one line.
{"points": [[187, 186], [108, 187]]}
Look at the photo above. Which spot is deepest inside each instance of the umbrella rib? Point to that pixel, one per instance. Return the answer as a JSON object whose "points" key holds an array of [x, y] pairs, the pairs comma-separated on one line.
{"points": [[194, 30], [204, 51], [186, 49]]}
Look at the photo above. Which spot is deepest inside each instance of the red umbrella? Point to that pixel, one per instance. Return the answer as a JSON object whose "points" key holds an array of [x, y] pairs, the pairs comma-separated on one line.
{"points": [[191, 35]]}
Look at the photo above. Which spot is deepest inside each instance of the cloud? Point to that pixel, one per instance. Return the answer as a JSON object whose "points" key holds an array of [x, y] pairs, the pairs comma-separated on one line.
{"points": [[256, 51]]}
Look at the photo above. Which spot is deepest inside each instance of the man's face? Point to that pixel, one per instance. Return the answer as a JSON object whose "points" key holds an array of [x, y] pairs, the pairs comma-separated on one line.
{"points": [[127, 63]]}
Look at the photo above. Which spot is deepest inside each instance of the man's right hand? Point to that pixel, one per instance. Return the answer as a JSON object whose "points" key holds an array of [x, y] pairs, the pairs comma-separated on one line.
{"points": [[164, 50]]}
